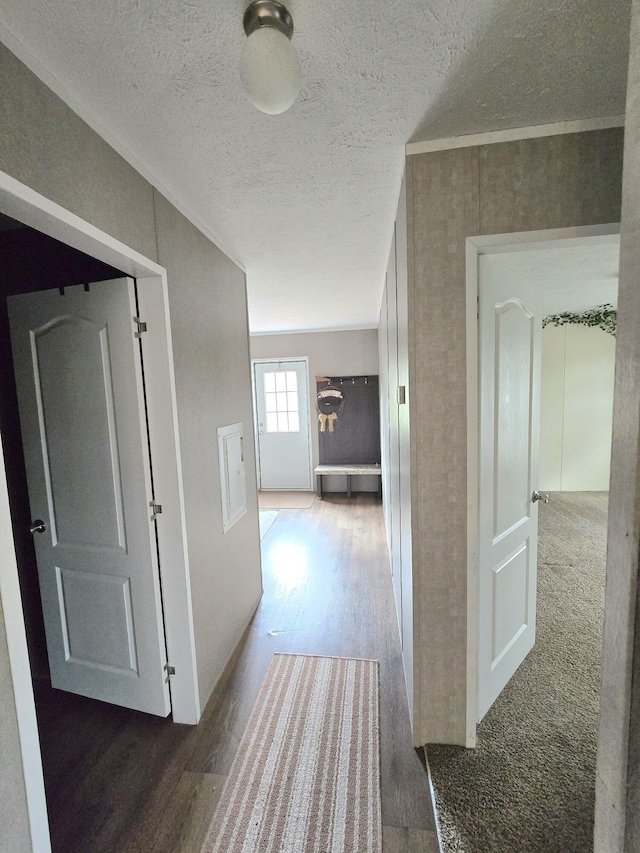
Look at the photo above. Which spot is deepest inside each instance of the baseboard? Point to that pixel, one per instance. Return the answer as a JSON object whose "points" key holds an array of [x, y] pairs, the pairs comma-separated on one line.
{"points": [[433, 798]]}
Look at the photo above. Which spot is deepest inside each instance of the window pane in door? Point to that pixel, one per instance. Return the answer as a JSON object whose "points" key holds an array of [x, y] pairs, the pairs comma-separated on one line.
{"points": [[282, 403], [269, 382], [292, 380]]}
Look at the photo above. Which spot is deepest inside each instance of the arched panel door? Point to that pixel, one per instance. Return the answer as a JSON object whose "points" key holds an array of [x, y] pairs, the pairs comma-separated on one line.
{"points": [[82, 416]]}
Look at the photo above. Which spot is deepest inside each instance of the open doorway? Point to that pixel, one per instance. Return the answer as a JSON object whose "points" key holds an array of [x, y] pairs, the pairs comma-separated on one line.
{"points": [[536, 750], [504, 335], [33, 264]]}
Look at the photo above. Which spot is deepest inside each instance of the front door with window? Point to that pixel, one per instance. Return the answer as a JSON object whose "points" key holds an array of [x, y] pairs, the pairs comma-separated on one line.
{"points": [[282, 409]]}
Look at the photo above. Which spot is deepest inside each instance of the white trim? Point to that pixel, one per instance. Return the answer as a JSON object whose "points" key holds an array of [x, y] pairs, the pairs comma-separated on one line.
{"points": [[33, 209], [157, 348], [272, 360], [476, 246], [37, 211], [364, 328], [23, 53], [21, 678], [513, 134], [473, 459]]}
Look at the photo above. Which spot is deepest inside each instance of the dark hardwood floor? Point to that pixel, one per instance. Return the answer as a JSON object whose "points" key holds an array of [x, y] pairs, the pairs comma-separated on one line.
{"points": [[119, 780]]}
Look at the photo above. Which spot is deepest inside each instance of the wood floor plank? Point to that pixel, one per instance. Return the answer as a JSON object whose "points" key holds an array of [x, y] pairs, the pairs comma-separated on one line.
{"points": [[397, 839], [121, 782]]}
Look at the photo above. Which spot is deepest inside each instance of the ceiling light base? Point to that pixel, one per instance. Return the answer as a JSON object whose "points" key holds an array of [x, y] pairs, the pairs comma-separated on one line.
{"points": [[267, 13]]}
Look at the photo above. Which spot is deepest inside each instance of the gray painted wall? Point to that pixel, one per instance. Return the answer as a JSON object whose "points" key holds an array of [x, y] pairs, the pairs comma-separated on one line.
{"points": [[46, 146], [553, 182], [617, 818], [208, 306]]}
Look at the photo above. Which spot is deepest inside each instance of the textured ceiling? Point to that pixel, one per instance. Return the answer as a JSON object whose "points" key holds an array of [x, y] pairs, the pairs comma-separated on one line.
{"points": [[306, 200], [573, 277]]}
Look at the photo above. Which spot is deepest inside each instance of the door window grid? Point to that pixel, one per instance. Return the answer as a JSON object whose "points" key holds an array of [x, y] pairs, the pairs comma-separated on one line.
{"points": [[281, 401]]}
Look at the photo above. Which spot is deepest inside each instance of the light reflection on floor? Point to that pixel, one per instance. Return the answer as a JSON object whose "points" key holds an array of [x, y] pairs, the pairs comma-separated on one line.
{"points": [[289, 564]]}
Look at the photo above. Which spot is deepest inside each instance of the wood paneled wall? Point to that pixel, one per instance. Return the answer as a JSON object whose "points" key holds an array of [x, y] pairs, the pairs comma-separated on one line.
{"points": [[534, 184], [617, 815]]}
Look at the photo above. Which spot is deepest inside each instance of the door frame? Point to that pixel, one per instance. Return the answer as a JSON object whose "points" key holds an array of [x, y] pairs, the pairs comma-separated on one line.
{"points": [[476, 246], [35, 210], [254, 395]]}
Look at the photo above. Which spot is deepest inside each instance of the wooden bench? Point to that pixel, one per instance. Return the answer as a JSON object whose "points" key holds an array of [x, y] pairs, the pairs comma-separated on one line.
{"points": [[350, 471]]}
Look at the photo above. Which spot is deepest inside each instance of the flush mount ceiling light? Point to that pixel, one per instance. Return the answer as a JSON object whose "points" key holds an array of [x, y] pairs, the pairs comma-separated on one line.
{"points": [[269, 65]]}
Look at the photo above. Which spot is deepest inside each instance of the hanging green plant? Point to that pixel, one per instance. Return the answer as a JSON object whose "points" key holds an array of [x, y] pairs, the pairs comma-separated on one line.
{"points": [[603, 317]]}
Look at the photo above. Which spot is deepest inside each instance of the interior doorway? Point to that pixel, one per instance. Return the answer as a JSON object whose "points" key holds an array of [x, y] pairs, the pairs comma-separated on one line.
{"points": [[529, 248], [28, 212]]}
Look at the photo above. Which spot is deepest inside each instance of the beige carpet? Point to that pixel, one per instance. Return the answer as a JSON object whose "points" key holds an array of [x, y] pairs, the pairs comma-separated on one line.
{"points": [[285, 500], [529, 786], [306, 777]]}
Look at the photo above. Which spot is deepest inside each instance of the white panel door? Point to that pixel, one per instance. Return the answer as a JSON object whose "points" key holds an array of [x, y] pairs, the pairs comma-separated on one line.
{"points": [[80, 393], [510, 349], [282, 408]]}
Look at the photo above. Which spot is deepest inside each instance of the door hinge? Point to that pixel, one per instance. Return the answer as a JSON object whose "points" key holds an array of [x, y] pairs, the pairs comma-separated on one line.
{"points": [[140, 327], [170, 670], [156, 509]]}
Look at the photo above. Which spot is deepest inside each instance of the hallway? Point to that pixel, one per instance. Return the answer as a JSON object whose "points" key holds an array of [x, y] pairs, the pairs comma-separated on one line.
{"points": [[118, 780]]}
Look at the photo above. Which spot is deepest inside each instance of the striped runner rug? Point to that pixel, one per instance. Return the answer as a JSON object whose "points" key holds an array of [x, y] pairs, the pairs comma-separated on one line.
{"points": [[306, 777]]}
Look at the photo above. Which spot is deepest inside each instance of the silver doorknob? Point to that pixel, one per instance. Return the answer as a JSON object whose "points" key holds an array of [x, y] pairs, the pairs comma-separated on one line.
{"points": [[38, 526], [540, 496]]}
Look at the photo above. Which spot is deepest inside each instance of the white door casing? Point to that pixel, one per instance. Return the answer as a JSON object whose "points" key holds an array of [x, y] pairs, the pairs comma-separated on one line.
{"points": [[510, 325], [282, 414], [79, 382]]}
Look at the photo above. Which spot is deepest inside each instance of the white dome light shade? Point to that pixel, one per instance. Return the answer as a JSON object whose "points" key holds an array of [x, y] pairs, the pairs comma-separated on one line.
{"points": [[270, 70]]}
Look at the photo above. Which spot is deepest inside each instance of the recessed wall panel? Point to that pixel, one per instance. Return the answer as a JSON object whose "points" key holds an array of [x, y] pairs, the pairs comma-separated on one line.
{"points": [[510, 601], [90, 606], [74, 386], [513, 359]]}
